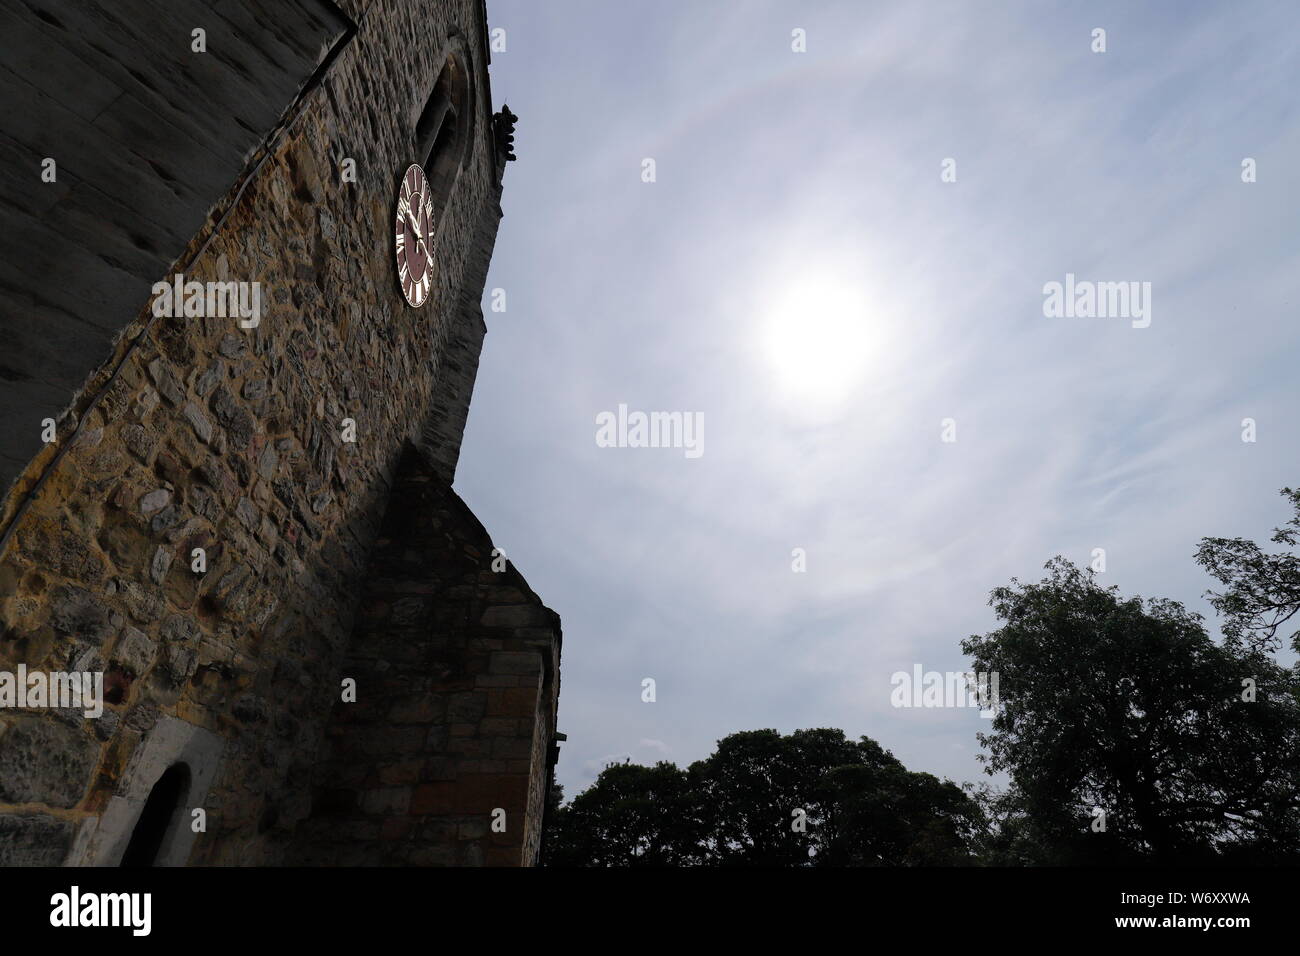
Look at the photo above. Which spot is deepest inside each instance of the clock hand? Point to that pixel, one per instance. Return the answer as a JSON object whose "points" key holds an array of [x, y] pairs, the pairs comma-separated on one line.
{"points": [[415, 228]]}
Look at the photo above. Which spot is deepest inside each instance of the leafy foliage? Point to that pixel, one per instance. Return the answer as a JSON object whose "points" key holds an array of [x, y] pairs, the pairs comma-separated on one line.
{"points": [[1129, 706], [860, 807], [631, 816], [1262, 591], [1110, 707]]}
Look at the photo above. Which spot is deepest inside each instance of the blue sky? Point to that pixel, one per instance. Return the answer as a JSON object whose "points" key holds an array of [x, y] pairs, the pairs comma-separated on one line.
{"points": [[799, 275]]}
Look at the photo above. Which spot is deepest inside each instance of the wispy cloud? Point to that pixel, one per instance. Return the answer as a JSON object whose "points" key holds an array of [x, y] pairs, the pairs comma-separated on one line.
{"points": [[820, 173]]}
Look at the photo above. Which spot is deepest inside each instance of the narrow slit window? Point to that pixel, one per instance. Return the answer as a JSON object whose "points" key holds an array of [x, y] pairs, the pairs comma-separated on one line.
{"points": [[159, 817]]}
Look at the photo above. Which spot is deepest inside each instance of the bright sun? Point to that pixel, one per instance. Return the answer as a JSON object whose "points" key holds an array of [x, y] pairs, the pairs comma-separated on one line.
{"points": [[819, 339]]}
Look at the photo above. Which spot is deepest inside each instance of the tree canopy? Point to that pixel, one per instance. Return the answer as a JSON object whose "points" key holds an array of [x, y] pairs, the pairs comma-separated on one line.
{"points": [[808, 798], [1261, 591], [1125, 711], [1127, 734]]}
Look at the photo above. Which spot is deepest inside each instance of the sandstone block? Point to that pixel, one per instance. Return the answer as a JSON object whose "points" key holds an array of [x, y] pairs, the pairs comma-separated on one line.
{"points": [[45, 761], [33, 839]]}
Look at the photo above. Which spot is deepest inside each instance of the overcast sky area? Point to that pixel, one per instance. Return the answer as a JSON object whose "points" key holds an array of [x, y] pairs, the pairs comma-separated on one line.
{"points": [[800, 276]]}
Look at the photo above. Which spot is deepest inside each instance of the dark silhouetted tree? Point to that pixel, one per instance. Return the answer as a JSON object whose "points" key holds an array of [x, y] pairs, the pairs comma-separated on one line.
{"points": [[1261, 591], [631, 816], [855, 803], [881, 814], [752, 785], [1128, 706]]}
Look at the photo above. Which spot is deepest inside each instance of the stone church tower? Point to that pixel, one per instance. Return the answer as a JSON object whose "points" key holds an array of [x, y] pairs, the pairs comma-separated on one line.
{"points": [[236, 506]]}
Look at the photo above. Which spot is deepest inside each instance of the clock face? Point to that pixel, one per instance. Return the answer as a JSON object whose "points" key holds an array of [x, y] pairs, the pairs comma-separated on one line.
{"points": [[414, 238]]}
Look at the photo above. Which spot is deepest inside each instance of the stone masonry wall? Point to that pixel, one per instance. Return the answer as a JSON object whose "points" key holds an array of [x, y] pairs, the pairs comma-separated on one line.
{"points": [[209, 436], [147, 136], [456, 669]]}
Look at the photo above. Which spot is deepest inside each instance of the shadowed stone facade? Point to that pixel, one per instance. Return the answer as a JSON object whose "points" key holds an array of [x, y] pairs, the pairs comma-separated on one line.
{"points": [[462, 661], [328, 561]]}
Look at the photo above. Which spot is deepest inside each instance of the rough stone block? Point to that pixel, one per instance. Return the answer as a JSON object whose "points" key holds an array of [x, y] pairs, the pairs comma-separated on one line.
{"points": [[134, 650], [198, 421], [33, 839], [515, 662], [515, 615], [45, 761], [76, 611]]}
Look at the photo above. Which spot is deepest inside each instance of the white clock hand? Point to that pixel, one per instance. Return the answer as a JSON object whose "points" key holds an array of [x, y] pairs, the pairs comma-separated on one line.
{"points": [[415, 228]]}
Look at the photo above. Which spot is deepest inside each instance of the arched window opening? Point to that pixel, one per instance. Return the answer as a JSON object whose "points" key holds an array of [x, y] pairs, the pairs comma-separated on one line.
{"points": [[160, 815], [437, 124], [444, 129]]}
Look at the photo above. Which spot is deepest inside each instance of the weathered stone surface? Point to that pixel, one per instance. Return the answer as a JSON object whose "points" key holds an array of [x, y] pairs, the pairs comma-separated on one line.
{"points": [[139, 440], [145, 404], [106, 724], [143, 604], [229, 439], [180, 629], [44, 761], [75, 610], [476, 735], [511, 662], [155, 501], [162, 560], [213, 376], [466, 707], [267, 462], [165, 519], [166, 381], [232, 345], [180, 663], [216, 476], [90, 438], [134, 650], [234, 416], [33, 839], [248, 515], [198, 421], [519, 615], [123, 541]]}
